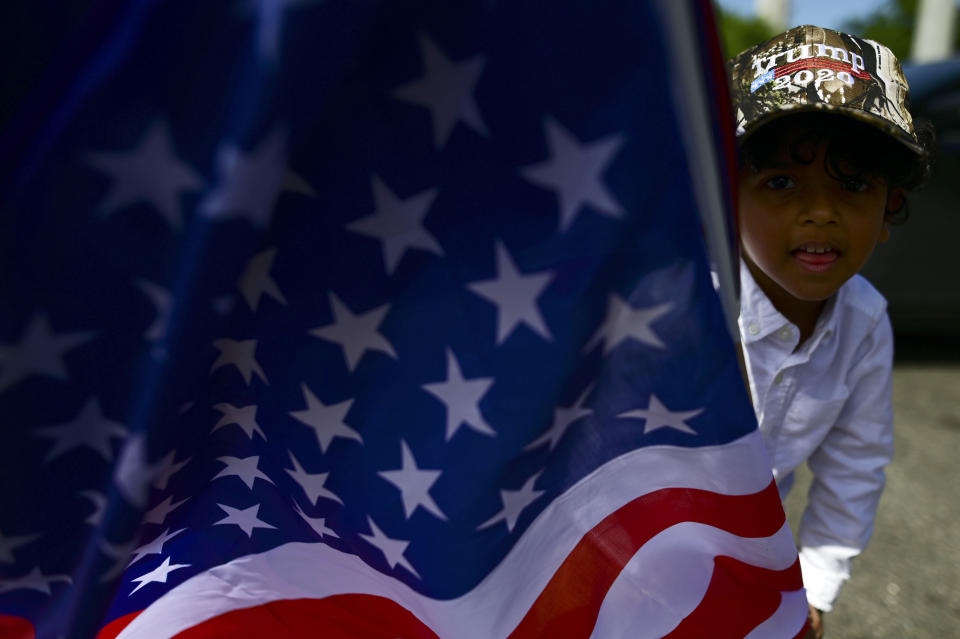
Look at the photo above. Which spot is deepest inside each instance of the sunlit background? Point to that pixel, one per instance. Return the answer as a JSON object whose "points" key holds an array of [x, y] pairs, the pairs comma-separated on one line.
{"points": [[916, 30], [832, 14]]}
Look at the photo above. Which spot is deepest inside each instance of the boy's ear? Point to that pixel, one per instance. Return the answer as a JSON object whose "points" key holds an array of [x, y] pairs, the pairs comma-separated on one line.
{"points": [[895, 201]]}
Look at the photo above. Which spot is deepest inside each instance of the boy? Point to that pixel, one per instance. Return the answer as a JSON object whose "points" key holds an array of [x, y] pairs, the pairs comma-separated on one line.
{"points": [[828, 149]]}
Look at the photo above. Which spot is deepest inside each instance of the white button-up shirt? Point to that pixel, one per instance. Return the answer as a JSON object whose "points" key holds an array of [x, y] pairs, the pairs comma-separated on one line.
{"points": [[829, 404]]}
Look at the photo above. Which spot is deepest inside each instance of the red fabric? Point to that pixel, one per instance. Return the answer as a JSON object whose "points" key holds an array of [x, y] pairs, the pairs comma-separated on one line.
{"points": [[16, 628], [113, 628], [738, 599], [569, 605], [352, 616]]}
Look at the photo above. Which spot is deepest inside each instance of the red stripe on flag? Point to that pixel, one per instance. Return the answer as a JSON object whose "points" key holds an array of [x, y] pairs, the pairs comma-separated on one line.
{"points": [[569, 605], [116, 626], [740, 597], [353, 616], [16, 628]]}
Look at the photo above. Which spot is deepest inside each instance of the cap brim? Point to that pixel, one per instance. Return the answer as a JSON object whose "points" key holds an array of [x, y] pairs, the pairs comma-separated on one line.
{"points": [[863, 116]]}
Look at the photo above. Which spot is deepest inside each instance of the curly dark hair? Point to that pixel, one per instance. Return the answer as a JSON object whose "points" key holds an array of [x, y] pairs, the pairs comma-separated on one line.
{"points": [[855, 149]]}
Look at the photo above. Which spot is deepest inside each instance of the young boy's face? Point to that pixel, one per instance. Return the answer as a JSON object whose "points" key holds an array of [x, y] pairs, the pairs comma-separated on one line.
{"points": [[803, 231]]}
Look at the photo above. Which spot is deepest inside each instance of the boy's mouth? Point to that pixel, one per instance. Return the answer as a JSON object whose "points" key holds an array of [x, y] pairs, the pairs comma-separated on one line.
{"points": [[816, 257]]}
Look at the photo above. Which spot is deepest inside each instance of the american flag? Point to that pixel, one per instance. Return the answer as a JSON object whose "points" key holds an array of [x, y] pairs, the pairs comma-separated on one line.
{"points": [[349, 318]]}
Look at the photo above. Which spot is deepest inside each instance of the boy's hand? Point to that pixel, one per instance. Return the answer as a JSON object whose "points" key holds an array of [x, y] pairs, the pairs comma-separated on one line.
{"points": [[816, 624]]}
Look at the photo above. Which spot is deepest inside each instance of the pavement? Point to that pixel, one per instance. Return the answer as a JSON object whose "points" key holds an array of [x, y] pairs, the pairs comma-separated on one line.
{"points": [[906, 585]]}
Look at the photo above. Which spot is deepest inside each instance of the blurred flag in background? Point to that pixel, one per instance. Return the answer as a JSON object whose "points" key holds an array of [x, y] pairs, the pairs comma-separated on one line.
{"points": [[378, 319]]}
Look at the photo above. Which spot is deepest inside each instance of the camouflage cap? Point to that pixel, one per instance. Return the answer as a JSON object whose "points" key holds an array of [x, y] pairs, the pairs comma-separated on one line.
{"points": [[812, 69]]}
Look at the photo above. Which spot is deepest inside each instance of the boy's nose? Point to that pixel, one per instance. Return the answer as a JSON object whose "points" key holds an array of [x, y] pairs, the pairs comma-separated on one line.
{"points": [[818, 208]]}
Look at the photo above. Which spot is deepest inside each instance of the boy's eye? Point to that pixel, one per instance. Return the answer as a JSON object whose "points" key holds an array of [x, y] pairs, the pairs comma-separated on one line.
{"points": [[854, 184], [780, 182]]}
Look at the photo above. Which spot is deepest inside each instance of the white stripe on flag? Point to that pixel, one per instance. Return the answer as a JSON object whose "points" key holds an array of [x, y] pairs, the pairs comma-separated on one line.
{"points": [[786, 621], [496, 606], [666, 566]]}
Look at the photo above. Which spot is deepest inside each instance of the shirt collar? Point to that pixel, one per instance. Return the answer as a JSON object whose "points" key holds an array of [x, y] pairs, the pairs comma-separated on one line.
{"points": [[759, 318]]}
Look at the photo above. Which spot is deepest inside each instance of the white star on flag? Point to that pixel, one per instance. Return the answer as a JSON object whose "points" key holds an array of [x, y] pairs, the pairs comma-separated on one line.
{"points": [[317, 524], [249, 182], [163, 304], [154, 547], [656, 415], [246, 519], [256, 281], [446, 89], [461, 398], [294, 183], [326, 421], [575, 172], [563, 419], [89, 428], [356, 334], [313, 484], [515, 296], [39, 352], [9, 544], [624, 322], [398, 224], [132, 474], [243, 416], [167, 468], [514, 502], [150, 172], [158, 574], [239, 353], [414, 484], [246, 468], [99, 502], [158, 514], [392, 549], [34, 580]]}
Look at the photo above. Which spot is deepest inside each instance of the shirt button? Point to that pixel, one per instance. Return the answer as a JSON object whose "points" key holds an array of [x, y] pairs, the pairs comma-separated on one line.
{"points": [[785, 333], [779, 378], [754, 328]]}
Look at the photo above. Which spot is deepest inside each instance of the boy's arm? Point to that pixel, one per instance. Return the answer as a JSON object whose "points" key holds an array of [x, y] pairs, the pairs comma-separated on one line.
{"points": [[848, 470]]}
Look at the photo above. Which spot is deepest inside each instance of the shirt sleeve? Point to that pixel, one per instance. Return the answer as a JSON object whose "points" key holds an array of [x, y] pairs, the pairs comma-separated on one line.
{"points": [[848, 473]]}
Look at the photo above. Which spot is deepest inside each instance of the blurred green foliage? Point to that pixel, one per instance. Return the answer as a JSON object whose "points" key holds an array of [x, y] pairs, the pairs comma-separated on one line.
{"points": [[738, 32], [891, 24]]}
